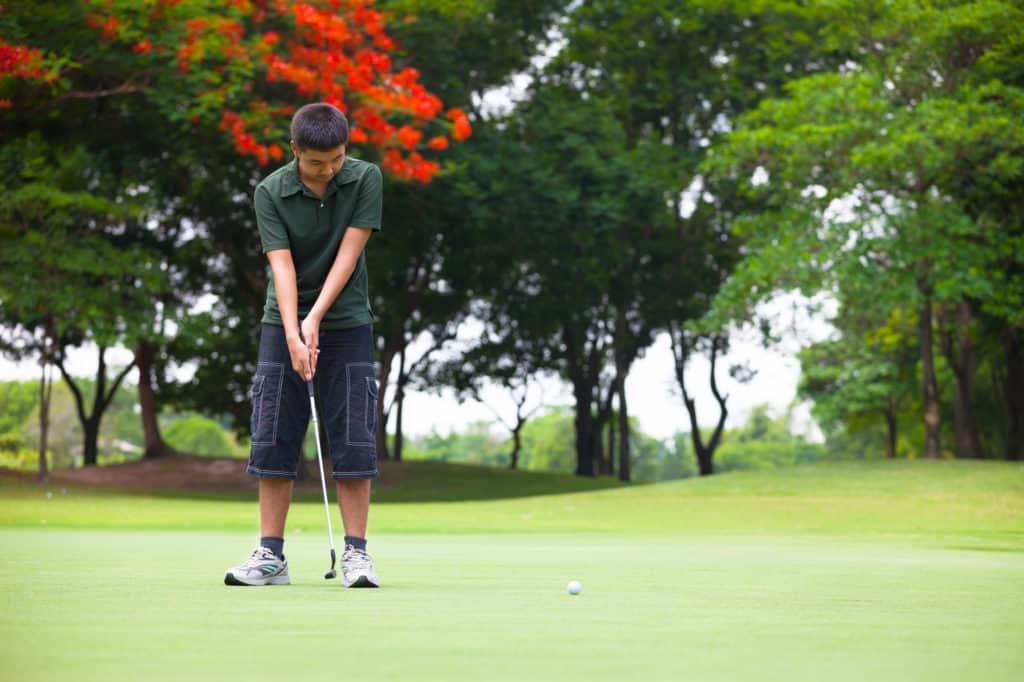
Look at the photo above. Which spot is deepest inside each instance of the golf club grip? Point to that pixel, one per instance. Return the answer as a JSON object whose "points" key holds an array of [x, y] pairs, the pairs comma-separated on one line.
{"points": [[309, 387]]}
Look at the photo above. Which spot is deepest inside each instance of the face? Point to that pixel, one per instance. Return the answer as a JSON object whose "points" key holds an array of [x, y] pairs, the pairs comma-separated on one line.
{"points": [[319, 166]]}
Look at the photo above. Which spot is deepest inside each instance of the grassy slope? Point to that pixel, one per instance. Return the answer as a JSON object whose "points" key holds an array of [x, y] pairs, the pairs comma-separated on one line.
{"points": [[973, 503]]}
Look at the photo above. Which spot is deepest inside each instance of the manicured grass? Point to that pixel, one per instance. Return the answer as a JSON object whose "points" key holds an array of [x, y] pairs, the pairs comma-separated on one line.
{"points": [[865, 571]]}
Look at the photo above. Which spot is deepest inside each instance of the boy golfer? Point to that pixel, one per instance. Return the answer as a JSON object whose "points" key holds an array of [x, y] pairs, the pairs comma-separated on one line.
{"points": [[315, 215]]}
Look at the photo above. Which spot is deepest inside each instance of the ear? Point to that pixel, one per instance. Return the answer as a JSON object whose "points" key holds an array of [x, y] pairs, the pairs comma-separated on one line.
{"points": [[295, 150]]}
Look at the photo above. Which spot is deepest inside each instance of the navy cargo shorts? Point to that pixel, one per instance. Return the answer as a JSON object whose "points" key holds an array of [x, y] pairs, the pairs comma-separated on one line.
{"points": [[346, 400]]}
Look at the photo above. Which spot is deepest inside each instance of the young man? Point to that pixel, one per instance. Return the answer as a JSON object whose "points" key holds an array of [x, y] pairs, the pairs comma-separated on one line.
{"points": [[315, 215]]}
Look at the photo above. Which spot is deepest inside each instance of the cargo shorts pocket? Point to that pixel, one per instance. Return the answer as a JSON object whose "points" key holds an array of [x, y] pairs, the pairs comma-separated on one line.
{"points": [[362, 404], [266, 402]]}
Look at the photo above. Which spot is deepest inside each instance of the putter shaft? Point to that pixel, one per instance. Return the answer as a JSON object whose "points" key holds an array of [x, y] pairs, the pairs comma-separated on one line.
{"points": [[323, 479]]}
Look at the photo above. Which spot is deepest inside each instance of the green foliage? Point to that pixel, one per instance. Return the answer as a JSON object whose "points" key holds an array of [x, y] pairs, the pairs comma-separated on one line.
{"points": [[120, 439], [547, 445], [19, 399], [195, 434], [548, 441], [766, 443], [653, 460], [477, 444]]}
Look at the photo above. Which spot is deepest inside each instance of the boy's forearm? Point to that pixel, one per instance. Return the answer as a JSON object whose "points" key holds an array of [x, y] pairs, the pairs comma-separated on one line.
{"points": [[352, 245], [283, 270]]}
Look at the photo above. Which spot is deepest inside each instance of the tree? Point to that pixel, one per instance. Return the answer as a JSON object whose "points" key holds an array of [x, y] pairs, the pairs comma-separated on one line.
{"points": [[868, 370], [508, 363], [568, 188], [675, 75], [91, 287], [236, 71], [423, 262], [858, 174]]}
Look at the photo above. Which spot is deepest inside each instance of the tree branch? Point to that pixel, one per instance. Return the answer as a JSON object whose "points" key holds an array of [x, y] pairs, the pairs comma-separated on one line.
{"points": [[124, 89]]}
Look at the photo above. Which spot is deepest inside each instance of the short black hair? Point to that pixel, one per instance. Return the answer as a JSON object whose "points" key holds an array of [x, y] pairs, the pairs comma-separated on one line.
{"points": [[320, 126]]}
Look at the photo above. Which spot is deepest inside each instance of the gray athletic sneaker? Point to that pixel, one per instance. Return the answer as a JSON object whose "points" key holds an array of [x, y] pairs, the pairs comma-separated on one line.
{"points": [[357, 569], [262, 568]]}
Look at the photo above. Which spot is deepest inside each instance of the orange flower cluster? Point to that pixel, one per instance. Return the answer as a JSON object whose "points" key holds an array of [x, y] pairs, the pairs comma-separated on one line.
{"points": [[334, 51], [411, 167], [18, 61], [245, 142]]}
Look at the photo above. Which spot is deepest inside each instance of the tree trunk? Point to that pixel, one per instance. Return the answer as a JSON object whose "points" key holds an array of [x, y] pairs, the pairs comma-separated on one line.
{"points": [[612, 430], [45, 393], [101, 401], [387, 357], [154, 442], [930, 388], [90, 446], [680, 354], [892, 430], [959, 349], [705, 455], [624, 445], [1014, 346], [517, 444], [400, 402], [399, 438], [600, 461], [584, 424]]}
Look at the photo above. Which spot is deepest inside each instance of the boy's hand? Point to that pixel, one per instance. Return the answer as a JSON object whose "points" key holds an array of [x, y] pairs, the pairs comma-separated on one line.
{"points": [[311, 333], [299, 353]]}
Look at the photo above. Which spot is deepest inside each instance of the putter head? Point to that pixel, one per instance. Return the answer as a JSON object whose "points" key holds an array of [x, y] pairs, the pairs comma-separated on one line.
{"points": [[331, 573]]}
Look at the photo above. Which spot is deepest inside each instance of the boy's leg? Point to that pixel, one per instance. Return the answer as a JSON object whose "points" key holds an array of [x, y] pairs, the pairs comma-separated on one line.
{"points": [[279, 420], [275, 498], [354, 503], [348, 407]]}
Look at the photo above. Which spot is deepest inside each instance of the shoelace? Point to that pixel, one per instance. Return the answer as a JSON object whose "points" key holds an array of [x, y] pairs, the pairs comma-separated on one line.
{"points": [[356, 559], [259, 555]]}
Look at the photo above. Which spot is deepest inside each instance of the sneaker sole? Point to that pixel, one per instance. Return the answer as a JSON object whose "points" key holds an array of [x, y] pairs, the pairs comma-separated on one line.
{"points": [[230, 579], [362, 581]]}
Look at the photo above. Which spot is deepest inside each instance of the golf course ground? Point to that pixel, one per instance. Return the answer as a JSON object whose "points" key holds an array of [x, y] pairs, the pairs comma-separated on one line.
{"points": [[866, 571]]}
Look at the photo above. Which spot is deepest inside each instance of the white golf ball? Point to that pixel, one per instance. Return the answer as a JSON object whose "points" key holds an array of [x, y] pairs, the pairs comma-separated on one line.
{"points": [[49, 494], [574, 587]]}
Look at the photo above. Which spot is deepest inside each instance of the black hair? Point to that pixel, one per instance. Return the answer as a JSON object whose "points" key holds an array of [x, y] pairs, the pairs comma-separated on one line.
{"points": [[319, 126]]}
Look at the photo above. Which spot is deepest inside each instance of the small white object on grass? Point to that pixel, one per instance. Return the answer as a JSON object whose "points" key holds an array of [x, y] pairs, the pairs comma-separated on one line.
{"points": [[574, 587], [49, 494]]}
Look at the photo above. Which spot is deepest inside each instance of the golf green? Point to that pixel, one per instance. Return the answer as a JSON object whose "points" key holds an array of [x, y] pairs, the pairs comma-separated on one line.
{"points": [[936, 596]]}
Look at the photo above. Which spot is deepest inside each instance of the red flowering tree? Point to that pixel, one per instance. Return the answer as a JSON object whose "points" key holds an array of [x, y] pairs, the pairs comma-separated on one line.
{"points": [[241, 65]]}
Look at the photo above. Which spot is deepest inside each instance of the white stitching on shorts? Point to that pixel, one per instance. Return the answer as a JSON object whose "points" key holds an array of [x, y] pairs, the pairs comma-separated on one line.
{"points": [[364, 396], [277, 406]]}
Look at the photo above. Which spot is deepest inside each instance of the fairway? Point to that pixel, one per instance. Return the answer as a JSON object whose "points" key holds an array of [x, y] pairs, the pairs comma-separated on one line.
{"points": [[723, 587]]}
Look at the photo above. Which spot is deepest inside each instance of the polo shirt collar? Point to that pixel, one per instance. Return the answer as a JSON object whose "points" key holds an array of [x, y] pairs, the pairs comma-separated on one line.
{"points": [[346, 174], [290, 183]]}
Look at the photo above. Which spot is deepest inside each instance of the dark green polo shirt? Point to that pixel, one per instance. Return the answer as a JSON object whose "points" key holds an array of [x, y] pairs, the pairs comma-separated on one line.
{"points": [[290, 216]]}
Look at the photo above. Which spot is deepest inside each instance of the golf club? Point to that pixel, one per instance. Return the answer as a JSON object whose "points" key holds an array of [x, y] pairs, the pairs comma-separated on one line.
{"points": [[323, 481]]}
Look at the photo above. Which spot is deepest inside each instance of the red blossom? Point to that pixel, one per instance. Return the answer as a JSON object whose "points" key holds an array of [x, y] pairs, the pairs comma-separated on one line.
{"points": [[462, 129], [110, 27], [337, 51], [409, 137]]}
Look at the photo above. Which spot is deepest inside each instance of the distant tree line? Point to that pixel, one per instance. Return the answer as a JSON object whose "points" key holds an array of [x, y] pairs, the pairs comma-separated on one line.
{"points": [[670, 166], [546, 443]]}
